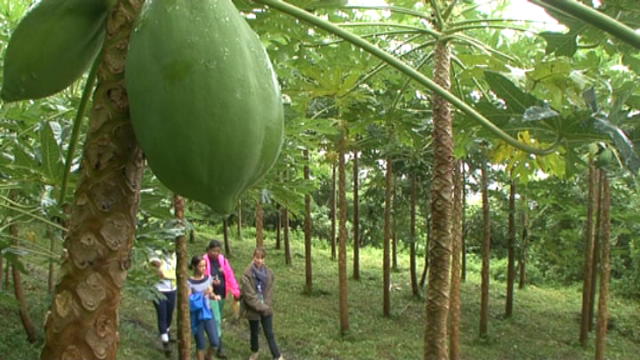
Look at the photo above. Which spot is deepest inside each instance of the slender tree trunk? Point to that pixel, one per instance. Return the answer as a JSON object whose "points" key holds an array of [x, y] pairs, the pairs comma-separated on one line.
{"points": [[83, 320], [456, 249], [427, 245], [285, 225], [596, 251], [23, 307], [605, 269], [225, 234], [182, 275], [511, 265], [593, 195], [259, 224], [437, 305], [278, 227], [394, 238], [239, 224], [386, 270], [51, 234], [524, 244], [463, 230], [412, 234], [342, 253], [486, 255], [308, 269], [356, 218], [333, 211]]}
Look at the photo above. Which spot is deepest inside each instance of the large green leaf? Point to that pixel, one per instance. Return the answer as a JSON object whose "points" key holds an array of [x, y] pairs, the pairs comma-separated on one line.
{"points": [[516, 100], [51, 155], [560, 43]]}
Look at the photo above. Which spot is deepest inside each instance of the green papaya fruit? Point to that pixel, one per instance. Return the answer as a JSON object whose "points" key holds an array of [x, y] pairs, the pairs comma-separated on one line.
{"points": [[52, 46], [204, 100]]}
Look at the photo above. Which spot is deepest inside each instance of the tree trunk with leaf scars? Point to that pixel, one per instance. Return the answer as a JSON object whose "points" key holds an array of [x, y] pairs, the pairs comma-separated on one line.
{"points": [[437, 304], [356, 218], [259, 224], [413, 276], [342, 237], [386, 268], [23, 307], [308, 269], [605, 269], [182, 277], [456, 249], [333, 210], [511, 262], [592, 204], [486, 254], [83, 320]]}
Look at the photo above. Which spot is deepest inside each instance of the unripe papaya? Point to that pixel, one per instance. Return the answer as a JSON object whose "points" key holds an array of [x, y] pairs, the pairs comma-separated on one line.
{"points": [[204, 100], [52, 46]]}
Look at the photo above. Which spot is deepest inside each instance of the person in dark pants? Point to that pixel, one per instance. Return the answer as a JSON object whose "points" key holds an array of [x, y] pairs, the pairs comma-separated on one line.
{"points": [[202, 317], [257, 302], [165, 266]]}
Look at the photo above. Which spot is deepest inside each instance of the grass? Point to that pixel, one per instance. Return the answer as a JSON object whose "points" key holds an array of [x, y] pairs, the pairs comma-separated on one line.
{"points": [[544, 326]]}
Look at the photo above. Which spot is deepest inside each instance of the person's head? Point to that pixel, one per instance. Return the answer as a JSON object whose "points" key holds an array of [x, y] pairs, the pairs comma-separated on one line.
{"points": [[198, 265], [214, 248], [259, 254]]}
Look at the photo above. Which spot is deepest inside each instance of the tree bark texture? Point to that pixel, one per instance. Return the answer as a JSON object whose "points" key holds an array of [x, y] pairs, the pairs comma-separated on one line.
{"points": [[412, 233], [23, 307], [511, 257], [333, 211], [182, 277], [308, 268], [524, 245], [486, 254], [437, 305], [592, 203], [386, 263], [342, 239], [259, 224], [356, 218], [596, 250], [285, 231], [83, 319], [456, 249], [605, 269]]}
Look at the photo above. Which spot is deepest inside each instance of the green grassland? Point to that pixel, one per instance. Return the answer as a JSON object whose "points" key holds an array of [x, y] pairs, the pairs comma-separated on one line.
{"points": [[544, 326]]}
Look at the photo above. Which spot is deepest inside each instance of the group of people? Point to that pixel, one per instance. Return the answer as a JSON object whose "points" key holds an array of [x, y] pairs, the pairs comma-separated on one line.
{"points": [[211, 282]]}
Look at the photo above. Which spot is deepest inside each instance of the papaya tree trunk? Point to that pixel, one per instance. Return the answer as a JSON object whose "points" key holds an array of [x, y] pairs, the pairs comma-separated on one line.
{"points": [[596, 251], [605, 269], [394, 238], [278, 227], [427, 245], [23, 307], [83, 319], [333, 211], [225, 235], [342, 239], [437, 305], [456, 249], [412, 242], [259, 224], [386, 268], [356, 218], [51, 235], [524, 245], [486, 254], [593, 195], [287, 245], [308, 269], [239, 223], [182, 277], [511, 266]]}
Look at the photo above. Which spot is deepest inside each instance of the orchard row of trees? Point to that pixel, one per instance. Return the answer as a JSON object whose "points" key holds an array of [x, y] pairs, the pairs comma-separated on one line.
{"points": [[534, 111]]}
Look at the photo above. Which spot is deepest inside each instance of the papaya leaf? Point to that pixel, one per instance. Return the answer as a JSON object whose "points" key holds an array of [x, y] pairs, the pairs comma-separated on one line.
{"points": [[51, 154], [536, 113], [516, 100], [620, 140], [560, 43]]}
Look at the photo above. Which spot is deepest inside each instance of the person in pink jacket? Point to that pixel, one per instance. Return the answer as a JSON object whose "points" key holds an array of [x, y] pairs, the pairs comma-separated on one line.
{"points": [[224, 280]]}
